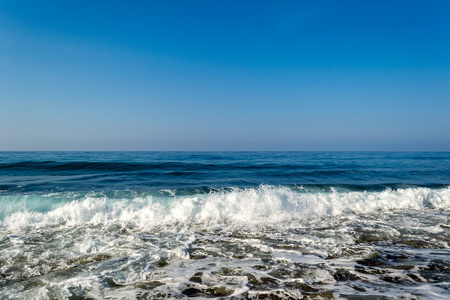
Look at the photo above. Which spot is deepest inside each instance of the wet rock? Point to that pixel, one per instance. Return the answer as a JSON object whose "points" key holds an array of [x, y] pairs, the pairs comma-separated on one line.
{"points": [[402, 267], [148, 296], [373, 260], [198, 256], [302, 286], [261, 281], [161, 263], [228, 272], [442, 236], [197, 253], [369, 270], [436, 271], [87, 259], [393, 279], [414, 277], [149, 285], [197, 277], [358, 288], [345, 275], [439, 266], [420, 244], [5, 275], [193, 292], [322, 295], [446, 227], [261, 267], [219, 291], [369, 237], [375, 254]]}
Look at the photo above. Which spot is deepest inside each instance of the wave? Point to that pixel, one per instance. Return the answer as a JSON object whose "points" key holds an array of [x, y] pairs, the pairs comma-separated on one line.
{"points": [[242, 207], [177, 165]]}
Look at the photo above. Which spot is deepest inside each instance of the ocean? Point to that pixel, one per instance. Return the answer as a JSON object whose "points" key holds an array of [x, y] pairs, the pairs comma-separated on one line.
{"points": [[227, 225]]}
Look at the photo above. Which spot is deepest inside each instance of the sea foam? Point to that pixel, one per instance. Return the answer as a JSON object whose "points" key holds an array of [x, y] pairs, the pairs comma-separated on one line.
{"points": [[243, 207]]}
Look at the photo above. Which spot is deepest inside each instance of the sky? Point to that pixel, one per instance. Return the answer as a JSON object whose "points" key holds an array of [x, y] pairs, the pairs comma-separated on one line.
{"points": [[225, 75]]}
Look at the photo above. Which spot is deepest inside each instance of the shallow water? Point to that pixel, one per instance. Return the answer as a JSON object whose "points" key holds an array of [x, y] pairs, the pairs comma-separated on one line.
{"points": [[224, 225]]}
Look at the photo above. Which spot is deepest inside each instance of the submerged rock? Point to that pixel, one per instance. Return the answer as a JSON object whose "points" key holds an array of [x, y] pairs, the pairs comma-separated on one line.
{"points": [[436, 271], [419, 244], [148, 285], [87, 259]]}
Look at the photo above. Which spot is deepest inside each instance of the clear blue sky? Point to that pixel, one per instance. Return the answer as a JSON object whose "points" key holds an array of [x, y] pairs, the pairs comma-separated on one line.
{"points": [[225, 75]]}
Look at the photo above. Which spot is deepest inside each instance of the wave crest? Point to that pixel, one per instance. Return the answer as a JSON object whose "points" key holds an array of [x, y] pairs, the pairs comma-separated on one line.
{"points": [[251, 206]]}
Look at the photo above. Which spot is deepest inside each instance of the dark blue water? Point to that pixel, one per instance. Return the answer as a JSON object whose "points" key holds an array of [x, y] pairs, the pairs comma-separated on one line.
{"points": [[25, 172]]}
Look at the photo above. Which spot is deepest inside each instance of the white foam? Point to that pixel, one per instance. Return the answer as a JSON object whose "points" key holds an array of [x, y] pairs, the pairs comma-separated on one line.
{"points": [[252, 206]]}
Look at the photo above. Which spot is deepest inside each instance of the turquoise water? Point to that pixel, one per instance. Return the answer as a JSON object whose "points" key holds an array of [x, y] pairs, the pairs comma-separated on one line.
{"points": [[242, 225]]}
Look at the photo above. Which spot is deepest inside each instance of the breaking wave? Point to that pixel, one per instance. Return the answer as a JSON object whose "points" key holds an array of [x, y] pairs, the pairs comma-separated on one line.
{"points": [[249, 206]]}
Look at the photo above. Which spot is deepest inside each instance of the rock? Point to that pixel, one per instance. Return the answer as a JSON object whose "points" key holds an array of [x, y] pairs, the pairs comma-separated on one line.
{"points": [[161, 263], [345, 275], [393, 279], [420, 244], [218, 291], [86, 259], [302, 286], [261, 281], [197, 277], [414, 277], [149, 285]]}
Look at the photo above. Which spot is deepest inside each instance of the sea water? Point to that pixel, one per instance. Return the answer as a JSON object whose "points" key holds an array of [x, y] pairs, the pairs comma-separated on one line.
{"points": [[230, 225]]}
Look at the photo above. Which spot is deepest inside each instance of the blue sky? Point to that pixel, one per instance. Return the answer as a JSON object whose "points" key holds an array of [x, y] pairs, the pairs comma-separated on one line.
{"points": [[224, 75]]}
